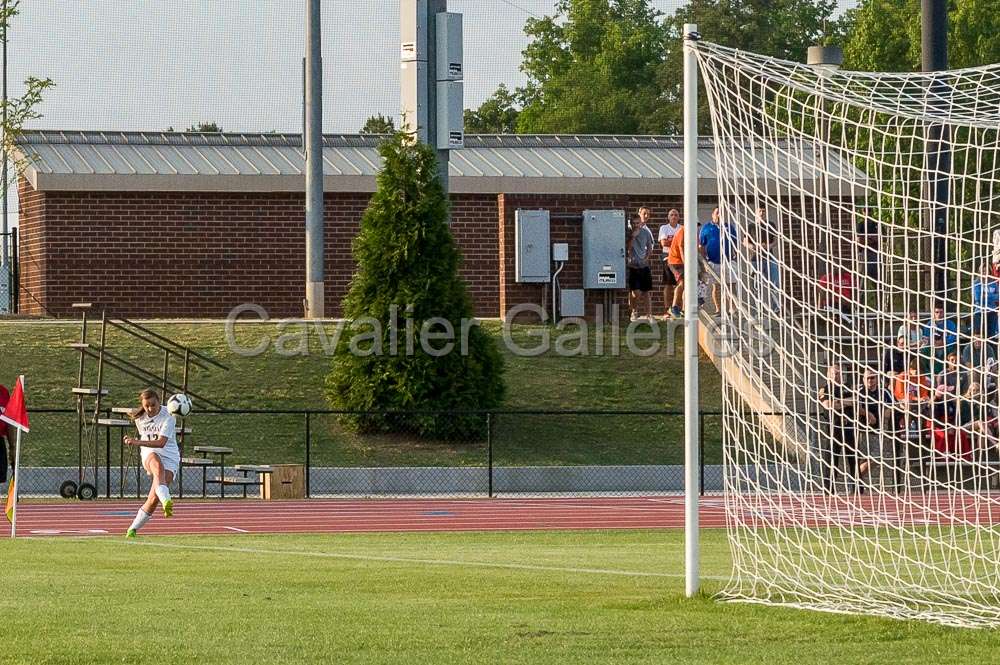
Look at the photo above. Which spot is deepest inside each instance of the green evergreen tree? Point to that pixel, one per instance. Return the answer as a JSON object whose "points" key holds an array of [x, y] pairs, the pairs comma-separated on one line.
{"points": [[407, 269]]}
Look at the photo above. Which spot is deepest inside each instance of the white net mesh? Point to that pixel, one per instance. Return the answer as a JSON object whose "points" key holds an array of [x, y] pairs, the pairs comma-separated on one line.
{"points": [[860, 219]]}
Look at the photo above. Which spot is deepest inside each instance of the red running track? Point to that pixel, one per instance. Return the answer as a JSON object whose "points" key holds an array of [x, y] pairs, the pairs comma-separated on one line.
{"points": [[372, 515], [358, 515]]}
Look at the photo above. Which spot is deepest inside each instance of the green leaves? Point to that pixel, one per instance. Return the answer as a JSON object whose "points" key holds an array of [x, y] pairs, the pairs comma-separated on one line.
{"points": [[407, 274], [884, 35]]}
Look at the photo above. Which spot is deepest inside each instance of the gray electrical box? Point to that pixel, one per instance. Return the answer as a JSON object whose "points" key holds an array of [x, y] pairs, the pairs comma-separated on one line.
{"points": [[571, 302], [449, 46], [450, 116], [604, 249], [533, 258]]}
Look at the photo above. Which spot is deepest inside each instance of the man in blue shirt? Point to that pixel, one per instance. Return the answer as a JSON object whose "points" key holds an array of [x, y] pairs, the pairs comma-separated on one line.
{"points": [[710, 248]]}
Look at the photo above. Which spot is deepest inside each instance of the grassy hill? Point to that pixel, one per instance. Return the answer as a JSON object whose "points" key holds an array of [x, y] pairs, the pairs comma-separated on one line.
{"points": [[289, 375]]}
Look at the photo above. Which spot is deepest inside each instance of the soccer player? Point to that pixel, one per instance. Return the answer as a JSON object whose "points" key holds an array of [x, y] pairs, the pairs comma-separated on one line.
{"points": [[160, 455]]}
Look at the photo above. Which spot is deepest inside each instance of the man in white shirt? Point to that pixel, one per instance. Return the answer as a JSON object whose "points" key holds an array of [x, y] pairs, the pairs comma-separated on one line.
{"points": [[666, 236]]}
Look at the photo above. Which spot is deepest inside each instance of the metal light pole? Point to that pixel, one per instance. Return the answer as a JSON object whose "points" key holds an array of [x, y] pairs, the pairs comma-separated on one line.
{"points": [[691, 476], [313, 144], [934, 57], [5, 256]]}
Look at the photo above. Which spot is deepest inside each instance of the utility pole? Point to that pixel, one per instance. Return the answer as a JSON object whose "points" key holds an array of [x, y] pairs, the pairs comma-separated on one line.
{"points": [[934, 57], [431, 77], [312, 142], [5, 256]]}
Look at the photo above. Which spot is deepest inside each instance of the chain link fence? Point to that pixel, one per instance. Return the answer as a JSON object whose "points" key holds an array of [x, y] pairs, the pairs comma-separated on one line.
{"points": [[519, 453]]}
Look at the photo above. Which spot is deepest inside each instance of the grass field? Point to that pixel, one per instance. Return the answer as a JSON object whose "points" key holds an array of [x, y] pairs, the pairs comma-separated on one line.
{"points": [[534, 597], [276, 381]]}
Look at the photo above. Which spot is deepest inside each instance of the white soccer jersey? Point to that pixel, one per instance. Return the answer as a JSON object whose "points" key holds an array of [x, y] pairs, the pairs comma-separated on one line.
{"points": [[151, 428]]}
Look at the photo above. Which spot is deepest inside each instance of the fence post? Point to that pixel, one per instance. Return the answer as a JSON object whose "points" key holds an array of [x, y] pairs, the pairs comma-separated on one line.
{"points": [[701, 454], [308, 453], [489, 451]]}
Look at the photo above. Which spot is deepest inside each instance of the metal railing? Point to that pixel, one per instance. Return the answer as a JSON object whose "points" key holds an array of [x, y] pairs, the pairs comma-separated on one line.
{"points": [[503, 452]]}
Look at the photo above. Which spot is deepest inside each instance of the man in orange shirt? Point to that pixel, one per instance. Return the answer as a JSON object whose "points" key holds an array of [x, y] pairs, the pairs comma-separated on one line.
{"points": [[675, 262]]}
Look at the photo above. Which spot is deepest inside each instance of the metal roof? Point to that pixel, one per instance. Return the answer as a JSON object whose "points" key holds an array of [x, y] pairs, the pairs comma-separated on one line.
{"points": [[180, 161]]}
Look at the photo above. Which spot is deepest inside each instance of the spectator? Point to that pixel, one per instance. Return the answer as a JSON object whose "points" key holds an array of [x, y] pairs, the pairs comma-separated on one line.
{"points": [[951, 381], [836, 290], [874, 404], [940, 324], [639, 274], [675, 261], [895, 357], [710, 249], [868, 238], [912, 330], [666, 237], [4, 440], [912, 392], [978, 416], [837, 439], [758, 243], [985, 303], [979, 360], [932, 356]]}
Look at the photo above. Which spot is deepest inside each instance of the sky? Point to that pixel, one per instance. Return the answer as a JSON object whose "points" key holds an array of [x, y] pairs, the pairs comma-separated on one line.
{"points": [[153, 64], [146, 65]]}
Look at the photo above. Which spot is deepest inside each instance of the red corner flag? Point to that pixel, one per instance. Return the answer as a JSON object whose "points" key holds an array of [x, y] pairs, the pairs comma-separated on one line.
{"points": [[16, 412], [16, 415]]}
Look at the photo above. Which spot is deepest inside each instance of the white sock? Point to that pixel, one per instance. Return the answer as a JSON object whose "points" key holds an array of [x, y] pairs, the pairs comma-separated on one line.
{"points": [[140, 520], [163, 493]]}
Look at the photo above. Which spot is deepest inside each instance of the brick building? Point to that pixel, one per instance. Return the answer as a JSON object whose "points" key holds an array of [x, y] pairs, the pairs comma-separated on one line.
{"points": [[220, 218]]}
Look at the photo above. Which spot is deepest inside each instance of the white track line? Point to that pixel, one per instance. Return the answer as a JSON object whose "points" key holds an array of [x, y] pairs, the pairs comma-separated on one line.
{"points": [[430, 562], [232, 528]]}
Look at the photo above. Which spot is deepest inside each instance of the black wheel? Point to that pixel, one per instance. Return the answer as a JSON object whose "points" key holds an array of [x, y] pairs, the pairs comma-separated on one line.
{"points": [[87, 492], [67, 490]]}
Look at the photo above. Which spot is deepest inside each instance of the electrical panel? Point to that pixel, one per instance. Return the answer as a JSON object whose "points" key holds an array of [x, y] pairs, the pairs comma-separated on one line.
{"points": [[533, 258], [449, 46], [450, 115], [571, 302], [560, 252], [604, 249]]}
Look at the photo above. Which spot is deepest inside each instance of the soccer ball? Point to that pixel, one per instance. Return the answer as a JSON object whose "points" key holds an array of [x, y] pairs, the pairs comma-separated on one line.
{"points": [[179, 405]]}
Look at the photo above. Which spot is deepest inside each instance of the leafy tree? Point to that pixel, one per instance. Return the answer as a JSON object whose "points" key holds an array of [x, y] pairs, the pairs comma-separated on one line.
{"points": [[378, 124], [884, 35], [496, 115], [19, 110], [781, 28], [407, 278], [205, 127], [592, 68]]}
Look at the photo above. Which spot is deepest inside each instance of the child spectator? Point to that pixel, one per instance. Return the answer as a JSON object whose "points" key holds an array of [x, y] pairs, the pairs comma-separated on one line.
{"points": [[912, 392]]}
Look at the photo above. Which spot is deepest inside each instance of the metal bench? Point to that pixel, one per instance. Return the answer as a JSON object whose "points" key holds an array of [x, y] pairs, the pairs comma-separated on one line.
{"points": [[244, 480]]}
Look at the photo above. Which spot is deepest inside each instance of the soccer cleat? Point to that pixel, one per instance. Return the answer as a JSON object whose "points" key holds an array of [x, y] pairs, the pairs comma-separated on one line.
{"points": [[130, 533], [168, 508]]}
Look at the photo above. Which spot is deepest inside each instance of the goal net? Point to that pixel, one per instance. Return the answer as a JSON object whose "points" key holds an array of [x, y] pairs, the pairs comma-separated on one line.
{"points": [[859, 289]]}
